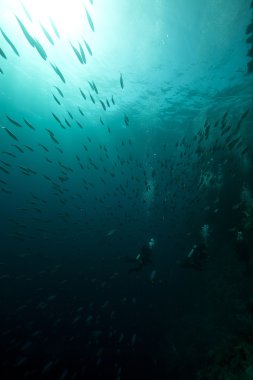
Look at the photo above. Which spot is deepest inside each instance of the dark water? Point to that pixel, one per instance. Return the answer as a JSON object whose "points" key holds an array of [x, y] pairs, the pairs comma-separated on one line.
{"points": [[122, 122]]}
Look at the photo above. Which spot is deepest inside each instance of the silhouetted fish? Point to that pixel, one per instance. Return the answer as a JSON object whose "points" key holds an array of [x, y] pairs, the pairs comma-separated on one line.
{"points": [[10, 43], [18, 148], [103, 104], [10, 134], [89, 20], [49, 38], [54, 27], [126, 120], [25, 10], [29, 125], [83, 95], [27, 35], [77, 53], [40, 49], [44, 147], [2, 54], [60, 92], [58, 72], [95, 87], [14, 122], [121, 81], [82, 53], [87, 47], [92, 99], [4, 170], [56, 99]]}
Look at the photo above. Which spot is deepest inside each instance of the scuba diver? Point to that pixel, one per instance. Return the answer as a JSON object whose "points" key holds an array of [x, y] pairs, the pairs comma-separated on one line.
{"points": [[143, 257], [196, 258], [198, 255], [242, 252]]}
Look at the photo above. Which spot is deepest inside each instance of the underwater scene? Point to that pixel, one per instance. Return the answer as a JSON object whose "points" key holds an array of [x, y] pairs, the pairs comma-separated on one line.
{"points": [[126, 189]]}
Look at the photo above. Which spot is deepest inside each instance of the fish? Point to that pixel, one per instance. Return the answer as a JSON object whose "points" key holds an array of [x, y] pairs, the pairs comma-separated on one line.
{"points": [[14, 122], [56, 118], [9, 154], [121, 81], [18, 148], [27, 171], [83, 95], [103, 104], [70, 115], [29, 148], [82, 53], [92, 99], [6, 191], [58, 72], [49, 38], [10, 43], [232, 144], [6, 163], [79, 124], [95, 87], [91, 86], [60, 92], [101, 121], [113, 102], [244, 150], [49, 131], [27, 35], [81, 112], [107, 102], [44, 147], [54, 28], [68, 124], [126, 120], [54, 139], [29, 125], [89, 20], [87, 46], [10, 134], [26, 12], [40, 49], [4, 170], [57, 101], [1, 71], [77, 53], [2, 54]]}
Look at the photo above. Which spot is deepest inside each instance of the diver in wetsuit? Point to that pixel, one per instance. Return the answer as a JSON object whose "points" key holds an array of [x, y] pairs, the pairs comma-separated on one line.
{"points": [[196, 258], [198, 255], [143, 258]]}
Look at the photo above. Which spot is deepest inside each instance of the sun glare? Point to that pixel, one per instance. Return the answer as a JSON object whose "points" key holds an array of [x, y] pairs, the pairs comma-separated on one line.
{"points": [[68, 15]]}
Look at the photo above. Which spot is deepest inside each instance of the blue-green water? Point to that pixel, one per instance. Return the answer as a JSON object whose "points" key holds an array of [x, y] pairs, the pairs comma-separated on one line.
{"points": [[121, 121]]}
